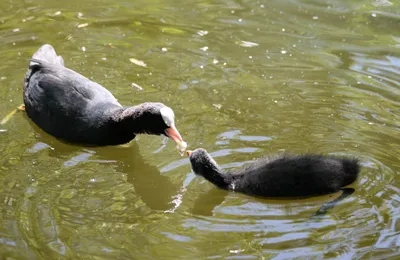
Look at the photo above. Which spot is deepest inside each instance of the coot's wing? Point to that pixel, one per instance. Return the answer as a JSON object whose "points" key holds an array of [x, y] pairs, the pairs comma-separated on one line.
{"points": [[56, 98], [58, 79]]}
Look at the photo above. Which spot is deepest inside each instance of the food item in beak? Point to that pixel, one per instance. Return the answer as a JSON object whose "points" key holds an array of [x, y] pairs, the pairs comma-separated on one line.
{"points": [[181, 146]]}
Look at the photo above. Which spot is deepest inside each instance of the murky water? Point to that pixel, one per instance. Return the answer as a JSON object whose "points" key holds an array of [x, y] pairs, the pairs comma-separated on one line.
{"points": [[246, 79]]}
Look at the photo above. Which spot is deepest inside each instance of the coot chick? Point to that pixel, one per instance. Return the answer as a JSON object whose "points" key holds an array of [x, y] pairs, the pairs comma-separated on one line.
{"points": [[283, 176], [71, 107]]}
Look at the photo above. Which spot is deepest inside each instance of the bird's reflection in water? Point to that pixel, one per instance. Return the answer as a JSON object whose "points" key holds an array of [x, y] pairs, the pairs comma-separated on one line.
{"points": [[156, 190], [206, 203]]}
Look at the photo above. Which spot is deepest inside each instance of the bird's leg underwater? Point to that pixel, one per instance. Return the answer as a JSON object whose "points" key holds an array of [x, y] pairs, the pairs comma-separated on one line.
{"points": [[9, 115], [329, 205]]}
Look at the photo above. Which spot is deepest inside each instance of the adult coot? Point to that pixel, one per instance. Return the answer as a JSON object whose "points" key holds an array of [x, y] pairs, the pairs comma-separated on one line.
{"points": [[71, 107], [283, 176]]}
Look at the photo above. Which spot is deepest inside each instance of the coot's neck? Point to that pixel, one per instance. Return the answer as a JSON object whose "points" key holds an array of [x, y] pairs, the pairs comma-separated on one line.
{"points": [[123, 124], [214, 174], [135, 119]]}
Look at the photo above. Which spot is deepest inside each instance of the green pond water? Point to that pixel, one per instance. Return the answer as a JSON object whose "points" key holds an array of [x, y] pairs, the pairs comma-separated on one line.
{"points": [[245, 79]]}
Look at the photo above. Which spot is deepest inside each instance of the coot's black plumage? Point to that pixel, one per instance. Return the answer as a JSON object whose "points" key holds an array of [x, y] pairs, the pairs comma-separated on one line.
{"points": [[283, 176], [71, 107]]}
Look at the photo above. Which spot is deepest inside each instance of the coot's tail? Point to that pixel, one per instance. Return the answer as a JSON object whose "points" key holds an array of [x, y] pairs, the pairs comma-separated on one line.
{"points": [[48, 54], [351, 169]]}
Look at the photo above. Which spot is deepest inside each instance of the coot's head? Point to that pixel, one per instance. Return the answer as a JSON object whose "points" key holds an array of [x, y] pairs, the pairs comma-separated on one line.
{"points": [[202, 163], [158, 119]]}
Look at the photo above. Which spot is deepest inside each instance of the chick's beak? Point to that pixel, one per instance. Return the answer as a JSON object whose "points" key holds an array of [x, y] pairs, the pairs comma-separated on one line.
{"points": [[173, 133], [188, 152]]}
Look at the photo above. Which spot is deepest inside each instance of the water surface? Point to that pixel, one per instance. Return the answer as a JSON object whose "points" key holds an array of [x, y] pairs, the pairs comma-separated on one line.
{"points": [[245, 79]]}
